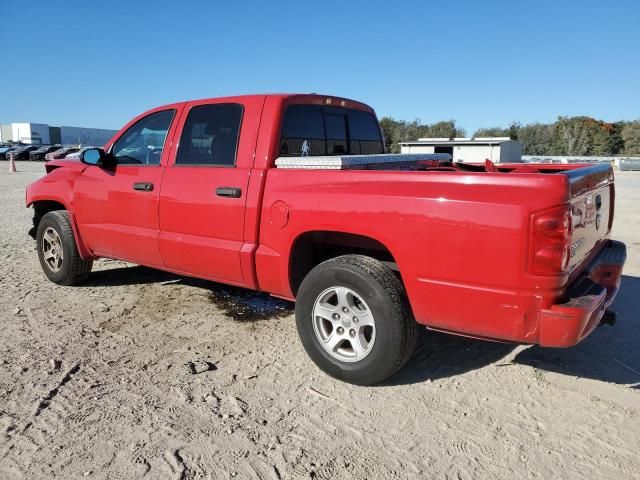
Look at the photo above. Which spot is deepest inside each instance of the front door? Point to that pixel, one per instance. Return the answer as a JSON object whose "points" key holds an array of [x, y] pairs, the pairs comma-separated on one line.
{"points": [[116, 208], [204, 189]]}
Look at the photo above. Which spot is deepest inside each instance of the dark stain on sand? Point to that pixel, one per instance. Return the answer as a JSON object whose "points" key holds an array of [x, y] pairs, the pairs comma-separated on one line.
{"points": [[249, 306]]}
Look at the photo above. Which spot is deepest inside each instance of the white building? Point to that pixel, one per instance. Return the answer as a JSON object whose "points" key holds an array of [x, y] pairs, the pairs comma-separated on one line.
{"points": [[31, 133], [469, 150]]}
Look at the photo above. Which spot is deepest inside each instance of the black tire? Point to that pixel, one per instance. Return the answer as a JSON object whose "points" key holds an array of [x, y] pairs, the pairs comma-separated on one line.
{"points": [[73, 269], [396, 329]]}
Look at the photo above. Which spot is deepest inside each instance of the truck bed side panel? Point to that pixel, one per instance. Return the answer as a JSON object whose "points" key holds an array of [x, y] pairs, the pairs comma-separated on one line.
{"points": [[453, 235]]}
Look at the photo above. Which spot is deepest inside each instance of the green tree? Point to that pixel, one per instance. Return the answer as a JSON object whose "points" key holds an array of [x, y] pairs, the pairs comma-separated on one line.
{"points": [[491, 132], [446, 129], [514, 130], [631, 136], [390, 130], [616, 142], [574, 135], [511, 131], [536, 138], [607, 139]]}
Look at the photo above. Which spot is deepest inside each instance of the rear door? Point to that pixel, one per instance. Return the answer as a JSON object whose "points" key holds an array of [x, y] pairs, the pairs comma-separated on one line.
{"points": [[204, 189]]}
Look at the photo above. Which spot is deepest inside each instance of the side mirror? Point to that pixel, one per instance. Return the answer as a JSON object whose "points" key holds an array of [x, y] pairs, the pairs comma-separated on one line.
{"points": [[93, 156]]}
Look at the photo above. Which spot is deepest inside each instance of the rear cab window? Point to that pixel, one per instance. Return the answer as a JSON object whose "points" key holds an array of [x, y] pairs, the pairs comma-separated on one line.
{"points": [[316, 130]]}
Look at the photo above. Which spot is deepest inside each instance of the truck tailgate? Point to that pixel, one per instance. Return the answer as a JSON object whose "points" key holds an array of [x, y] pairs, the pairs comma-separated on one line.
{"points": [[592, 203]]}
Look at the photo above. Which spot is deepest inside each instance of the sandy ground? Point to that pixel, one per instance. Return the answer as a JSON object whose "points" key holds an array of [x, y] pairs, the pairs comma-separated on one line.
{"points": [[98, 381]]}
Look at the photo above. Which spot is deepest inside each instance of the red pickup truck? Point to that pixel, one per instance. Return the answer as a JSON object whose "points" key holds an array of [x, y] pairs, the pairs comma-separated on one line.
{"points": [[293, 195]]}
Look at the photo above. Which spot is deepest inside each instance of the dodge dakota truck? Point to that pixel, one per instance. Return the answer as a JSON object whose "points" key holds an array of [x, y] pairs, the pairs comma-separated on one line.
{"points": [[294, 195]]}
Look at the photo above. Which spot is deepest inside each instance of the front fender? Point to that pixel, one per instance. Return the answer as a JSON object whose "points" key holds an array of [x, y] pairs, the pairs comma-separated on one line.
{"points": [[54, 191], [57, 186]]}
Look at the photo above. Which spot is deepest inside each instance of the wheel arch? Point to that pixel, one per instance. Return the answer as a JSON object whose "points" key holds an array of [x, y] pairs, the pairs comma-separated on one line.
{"points": [[313, 247], [43, 206]]}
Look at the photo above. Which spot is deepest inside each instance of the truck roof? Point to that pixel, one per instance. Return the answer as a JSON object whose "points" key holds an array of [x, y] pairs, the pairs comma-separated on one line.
{"points": [[311, 98]]}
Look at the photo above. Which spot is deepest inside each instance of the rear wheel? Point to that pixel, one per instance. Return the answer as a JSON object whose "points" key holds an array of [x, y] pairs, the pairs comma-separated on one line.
{"points": [[354, 320], [57, 250]]}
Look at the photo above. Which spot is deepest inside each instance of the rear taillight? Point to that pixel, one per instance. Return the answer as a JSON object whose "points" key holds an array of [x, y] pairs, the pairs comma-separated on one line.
{"points": [[549, 246]]}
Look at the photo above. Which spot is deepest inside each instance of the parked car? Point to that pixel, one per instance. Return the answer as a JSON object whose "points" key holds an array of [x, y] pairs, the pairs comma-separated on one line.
{"points": [[22, 153], [4, 151], [60, 153], [263, 192], [39, 154], [78, 153]]}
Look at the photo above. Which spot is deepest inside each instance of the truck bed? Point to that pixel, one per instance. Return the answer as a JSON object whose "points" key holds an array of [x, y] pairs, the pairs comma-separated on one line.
{"points": [[456, 231]]}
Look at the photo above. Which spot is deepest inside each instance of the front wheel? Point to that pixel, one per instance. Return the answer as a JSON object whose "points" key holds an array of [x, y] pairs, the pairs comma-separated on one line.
{"points": [[57, 250], [354, 320]]}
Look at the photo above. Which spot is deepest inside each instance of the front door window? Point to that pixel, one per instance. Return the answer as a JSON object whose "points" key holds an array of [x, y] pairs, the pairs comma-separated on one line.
{"points": [[143, 142]]}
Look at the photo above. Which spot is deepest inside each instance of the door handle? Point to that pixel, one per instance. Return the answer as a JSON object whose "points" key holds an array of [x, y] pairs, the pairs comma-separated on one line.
{"points": [[143, 186], [231, 192]]}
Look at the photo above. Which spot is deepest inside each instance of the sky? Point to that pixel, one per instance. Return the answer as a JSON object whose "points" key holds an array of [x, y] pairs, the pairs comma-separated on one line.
{"points": [[483, 64]]}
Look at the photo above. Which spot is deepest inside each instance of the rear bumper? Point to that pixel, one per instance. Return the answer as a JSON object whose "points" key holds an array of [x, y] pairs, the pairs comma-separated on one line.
{"points": [[565, 324]]}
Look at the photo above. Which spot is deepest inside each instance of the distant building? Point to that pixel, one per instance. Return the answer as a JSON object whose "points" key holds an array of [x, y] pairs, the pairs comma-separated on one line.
{"points": [[6, 134], [85, 136], [469, 150], [31, 133], [43, 134]]}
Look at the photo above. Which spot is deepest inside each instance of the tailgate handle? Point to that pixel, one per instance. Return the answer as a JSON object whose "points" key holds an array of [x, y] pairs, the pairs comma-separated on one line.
{"points": [[598, 202], [143, 186], [231, 192]]}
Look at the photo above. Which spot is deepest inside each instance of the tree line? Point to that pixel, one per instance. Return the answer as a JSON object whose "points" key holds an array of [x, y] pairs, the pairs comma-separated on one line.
{"points": [[566, 136]]}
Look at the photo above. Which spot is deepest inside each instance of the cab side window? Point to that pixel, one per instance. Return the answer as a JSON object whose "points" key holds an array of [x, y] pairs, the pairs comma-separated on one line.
{"points": [[210, 135], [143, 142]]}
